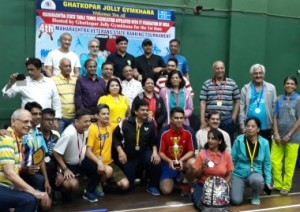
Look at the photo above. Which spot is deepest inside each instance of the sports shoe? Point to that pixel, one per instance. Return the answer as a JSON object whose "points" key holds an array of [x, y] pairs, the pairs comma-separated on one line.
{"points": [[153, 190], [255, 199], [284, 192], [185, 189], [90, 197], [99, 191]]}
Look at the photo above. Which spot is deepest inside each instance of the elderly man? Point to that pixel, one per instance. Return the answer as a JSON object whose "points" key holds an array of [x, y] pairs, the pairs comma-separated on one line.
{"points": [[14, 191], [89, 88], [54, 57], [107, 71], [174, 46], [35, 88], [258, 99], [94, 47], [222, 94], [122, 58], [149, 64], [65, 84]]}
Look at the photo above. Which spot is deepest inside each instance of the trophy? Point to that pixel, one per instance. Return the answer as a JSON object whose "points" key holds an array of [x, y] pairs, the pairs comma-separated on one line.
{"points": [[176, 151]]}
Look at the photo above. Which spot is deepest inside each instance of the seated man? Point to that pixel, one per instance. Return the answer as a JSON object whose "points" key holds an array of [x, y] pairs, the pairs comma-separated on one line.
{"points": [[69, 151], [14, 191], [34, 174], [98, 162], [176, 148], [134, 140]]}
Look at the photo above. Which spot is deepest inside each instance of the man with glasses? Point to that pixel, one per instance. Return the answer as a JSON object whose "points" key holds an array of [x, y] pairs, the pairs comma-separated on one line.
{"points": [[94, 47], [174, 46], [34, 174], [258, 99], [14, 191]]}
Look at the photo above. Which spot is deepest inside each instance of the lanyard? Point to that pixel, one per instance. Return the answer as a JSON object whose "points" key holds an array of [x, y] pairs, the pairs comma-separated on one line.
{"points": [[137, 133], [20, 152], [258, 100], [251, 154], [80, 147], [100, 137], [219, 97]]}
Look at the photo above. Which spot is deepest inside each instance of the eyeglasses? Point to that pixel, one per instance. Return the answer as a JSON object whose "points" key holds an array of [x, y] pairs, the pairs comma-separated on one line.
{"points": [[24, 121]]}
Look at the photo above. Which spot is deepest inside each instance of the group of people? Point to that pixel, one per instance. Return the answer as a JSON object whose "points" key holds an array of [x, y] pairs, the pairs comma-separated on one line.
{"points": [[124, 118]]}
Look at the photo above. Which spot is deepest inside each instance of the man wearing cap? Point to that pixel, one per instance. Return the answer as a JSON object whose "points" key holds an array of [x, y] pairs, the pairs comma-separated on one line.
{"points": [[149, 64]]}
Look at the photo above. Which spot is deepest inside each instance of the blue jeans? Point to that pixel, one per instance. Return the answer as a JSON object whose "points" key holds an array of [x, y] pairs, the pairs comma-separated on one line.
{"points": [[197, 194], [228, 125], [20, 200], [63, 123], [37, 181]]}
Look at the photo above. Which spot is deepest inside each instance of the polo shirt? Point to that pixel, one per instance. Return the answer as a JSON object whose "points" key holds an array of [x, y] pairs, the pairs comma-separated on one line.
{"points": [[227, 92], [100, 140], [66, 91], [146, 65], [121, 61], [131, 89], [99, 61], [88, 91], [222, 164], [117, 110], [182, 63], [10, 153], [43, 92], [169, 136]]}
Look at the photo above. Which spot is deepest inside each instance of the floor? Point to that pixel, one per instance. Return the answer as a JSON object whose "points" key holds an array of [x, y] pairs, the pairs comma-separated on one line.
{"points": [[140, 200]]}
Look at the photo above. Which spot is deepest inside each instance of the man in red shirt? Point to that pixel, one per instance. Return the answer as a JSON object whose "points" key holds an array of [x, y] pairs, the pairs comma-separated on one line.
{"points": [[176, 148]]}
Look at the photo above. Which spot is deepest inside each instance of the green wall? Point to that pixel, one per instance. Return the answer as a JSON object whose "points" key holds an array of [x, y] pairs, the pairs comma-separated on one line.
{"points": [[239, 32]]}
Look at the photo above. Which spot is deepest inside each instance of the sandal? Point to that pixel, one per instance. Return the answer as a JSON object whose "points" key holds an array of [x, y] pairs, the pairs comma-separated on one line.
{"points": [[284, 192]]}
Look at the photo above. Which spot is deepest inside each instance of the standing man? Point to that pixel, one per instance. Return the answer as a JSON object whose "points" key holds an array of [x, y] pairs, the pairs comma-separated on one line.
{"points": [[213, 122], [149, 64], [98, 161], [174, 46], [14, 191], [107, 71], [89, 88], [69, 151], [135, 142], [258, 99], [35, 88], [130, 86], [65, 84], [176, 148], [54, 57], [121, 58], [31, 143], [94, 47], [222, 94]]}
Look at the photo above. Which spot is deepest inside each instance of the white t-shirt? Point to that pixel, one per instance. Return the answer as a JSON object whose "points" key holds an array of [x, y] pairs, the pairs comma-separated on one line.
{"points": [[72, 145], [54, 57]]}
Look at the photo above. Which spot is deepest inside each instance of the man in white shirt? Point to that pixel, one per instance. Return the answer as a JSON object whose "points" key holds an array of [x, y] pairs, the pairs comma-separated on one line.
{"points": [[130, 86], [35, 88], [69, 151], [54, 57]]}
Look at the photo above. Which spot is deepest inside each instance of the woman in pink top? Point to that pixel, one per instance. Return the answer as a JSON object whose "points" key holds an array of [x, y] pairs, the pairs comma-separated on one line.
{"points": [[213, 160]]}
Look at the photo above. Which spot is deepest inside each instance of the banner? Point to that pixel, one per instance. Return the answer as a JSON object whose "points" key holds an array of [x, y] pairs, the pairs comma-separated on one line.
{"points": [[87, 20]]}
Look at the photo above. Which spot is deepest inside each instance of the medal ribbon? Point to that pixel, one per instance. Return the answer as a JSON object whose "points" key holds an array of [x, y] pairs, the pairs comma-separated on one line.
{"points": [[80, 147], [251, 154], [137, 133], [258, 100], [20, 152], [102, 143], [219, 97]]}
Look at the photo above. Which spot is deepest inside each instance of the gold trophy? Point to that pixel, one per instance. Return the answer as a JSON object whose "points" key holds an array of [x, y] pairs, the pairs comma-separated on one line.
{"points": [[176, 151]]}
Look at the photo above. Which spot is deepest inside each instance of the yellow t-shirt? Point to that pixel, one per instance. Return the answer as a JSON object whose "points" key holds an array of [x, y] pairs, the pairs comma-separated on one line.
{"points": [[117, 110], [10, 153], [100, 139]]}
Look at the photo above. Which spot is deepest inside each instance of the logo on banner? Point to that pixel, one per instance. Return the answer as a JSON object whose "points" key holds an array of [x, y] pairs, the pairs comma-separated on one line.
{"points": [[48, 5], [164, 15]]}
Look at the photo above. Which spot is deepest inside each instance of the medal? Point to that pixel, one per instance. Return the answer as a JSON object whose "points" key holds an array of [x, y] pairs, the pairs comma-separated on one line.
{"points": [[100, 157], [210, 164], [257, 110], [47, 159], [137, 147], [219, 103], [119, 119], [252, 169]]}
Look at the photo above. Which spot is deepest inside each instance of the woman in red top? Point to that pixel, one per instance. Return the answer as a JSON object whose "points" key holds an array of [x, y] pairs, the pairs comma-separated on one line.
{"points": [[213, 160]]}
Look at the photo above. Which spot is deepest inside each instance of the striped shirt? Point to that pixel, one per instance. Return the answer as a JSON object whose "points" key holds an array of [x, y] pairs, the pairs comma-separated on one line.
{"points": [[161, 83], [66, 91], [10, 153], [227, 92]]}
